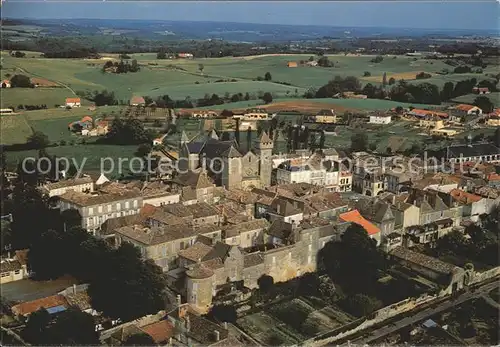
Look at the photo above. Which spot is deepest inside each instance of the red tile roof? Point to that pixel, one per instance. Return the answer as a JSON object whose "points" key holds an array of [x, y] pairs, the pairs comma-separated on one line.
{"points": [[72, 100], [29, 307], [464, 197], [160, 331], [464, 107], [355, 217]]}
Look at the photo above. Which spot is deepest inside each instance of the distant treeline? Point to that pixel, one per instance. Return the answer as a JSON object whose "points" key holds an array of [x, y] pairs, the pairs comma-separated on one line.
{"points": [[88, 46]]}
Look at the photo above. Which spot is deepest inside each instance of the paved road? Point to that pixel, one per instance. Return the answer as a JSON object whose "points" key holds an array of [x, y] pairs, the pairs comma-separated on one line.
{"points": [[421, 315]]}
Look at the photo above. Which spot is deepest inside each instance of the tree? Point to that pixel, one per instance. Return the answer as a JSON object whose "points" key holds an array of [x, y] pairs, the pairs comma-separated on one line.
{"points": [[322, 140], [267, 97], [224, 313], [35, 331], [484, 103], [143, 150], [249, 138], [20, 81], [361, 305], [366, 73], [268, 76], [127, 132], [73, 327], [377, 59], [127, 278], [392, 80], [161, 54], [142, 339], [359, 142], [384, 79], [134, 67], [201, 67], [447, 92], [265, 283], [19, 54]]}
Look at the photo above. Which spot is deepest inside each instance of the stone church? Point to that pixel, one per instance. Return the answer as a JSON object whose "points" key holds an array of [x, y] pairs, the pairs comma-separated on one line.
{"points": [[225, 161]]}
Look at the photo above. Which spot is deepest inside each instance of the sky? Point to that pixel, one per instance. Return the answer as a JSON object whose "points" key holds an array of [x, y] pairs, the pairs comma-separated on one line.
{"points": [[475, 14]]}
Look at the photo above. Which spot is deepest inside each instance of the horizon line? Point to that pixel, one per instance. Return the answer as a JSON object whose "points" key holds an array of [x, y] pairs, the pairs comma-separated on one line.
{"points": [[253, 23]]}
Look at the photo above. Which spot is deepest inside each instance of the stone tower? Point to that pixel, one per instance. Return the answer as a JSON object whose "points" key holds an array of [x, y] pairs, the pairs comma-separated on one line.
{"points": [[231, 169], [264, 148]]}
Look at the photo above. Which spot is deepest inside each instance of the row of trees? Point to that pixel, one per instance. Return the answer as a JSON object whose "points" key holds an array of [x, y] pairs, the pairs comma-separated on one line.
{"points": [[423, 93]]}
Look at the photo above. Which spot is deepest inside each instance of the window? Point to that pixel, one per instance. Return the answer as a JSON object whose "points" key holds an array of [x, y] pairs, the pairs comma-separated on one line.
{"points": [[127, 205], [17, 272], [248, 236], [182, 245], [309, 259], [118, 206], [91, 211], [109, 208], [99, 209], [5, 274], [135, 203], [274, 260]]}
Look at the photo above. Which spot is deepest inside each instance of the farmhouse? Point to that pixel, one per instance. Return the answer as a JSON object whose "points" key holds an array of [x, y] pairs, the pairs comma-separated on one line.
{"points": [[432, 122], [5, 84], [479, 90], [137, 101], [185, 55], [463, 110], [494, 119], [73, 102], [292, 64], [444, 132], [326, 116], [12, 270], [419, 113], [380, 119]]}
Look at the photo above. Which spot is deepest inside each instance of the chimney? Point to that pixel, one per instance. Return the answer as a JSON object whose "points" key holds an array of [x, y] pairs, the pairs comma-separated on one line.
{"points": [[179, 301], [225, 325], [74, 288], [217, 335]]}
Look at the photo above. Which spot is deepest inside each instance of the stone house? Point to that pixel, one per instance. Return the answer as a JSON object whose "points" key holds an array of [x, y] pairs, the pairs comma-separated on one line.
{"points": [[427, 233], [435, 206], [197, 183], [81, 185], [405, 215], [379, 213], [472, 205], [282, 209], [95, 209], [245, 235], [162, 244], [12, 270]]}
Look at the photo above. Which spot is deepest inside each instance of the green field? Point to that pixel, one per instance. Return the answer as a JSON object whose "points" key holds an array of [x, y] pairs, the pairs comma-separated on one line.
{"points": [[182, 78], [90, 155], [36, 96], [52, 122], [469, 98]]}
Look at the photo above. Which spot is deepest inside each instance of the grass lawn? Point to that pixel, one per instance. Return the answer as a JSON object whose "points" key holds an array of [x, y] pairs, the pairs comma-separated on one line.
{"points": [[34, 96], [14, 129]]}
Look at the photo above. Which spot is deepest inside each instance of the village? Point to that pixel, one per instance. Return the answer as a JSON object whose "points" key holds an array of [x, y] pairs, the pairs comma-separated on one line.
{"points": [[218, 233]]}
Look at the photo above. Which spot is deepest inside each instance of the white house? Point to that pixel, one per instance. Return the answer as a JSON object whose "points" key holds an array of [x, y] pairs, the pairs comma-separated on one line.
{"points": [[380, 119], [73, 102], [5, 84], [12, 270]]}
